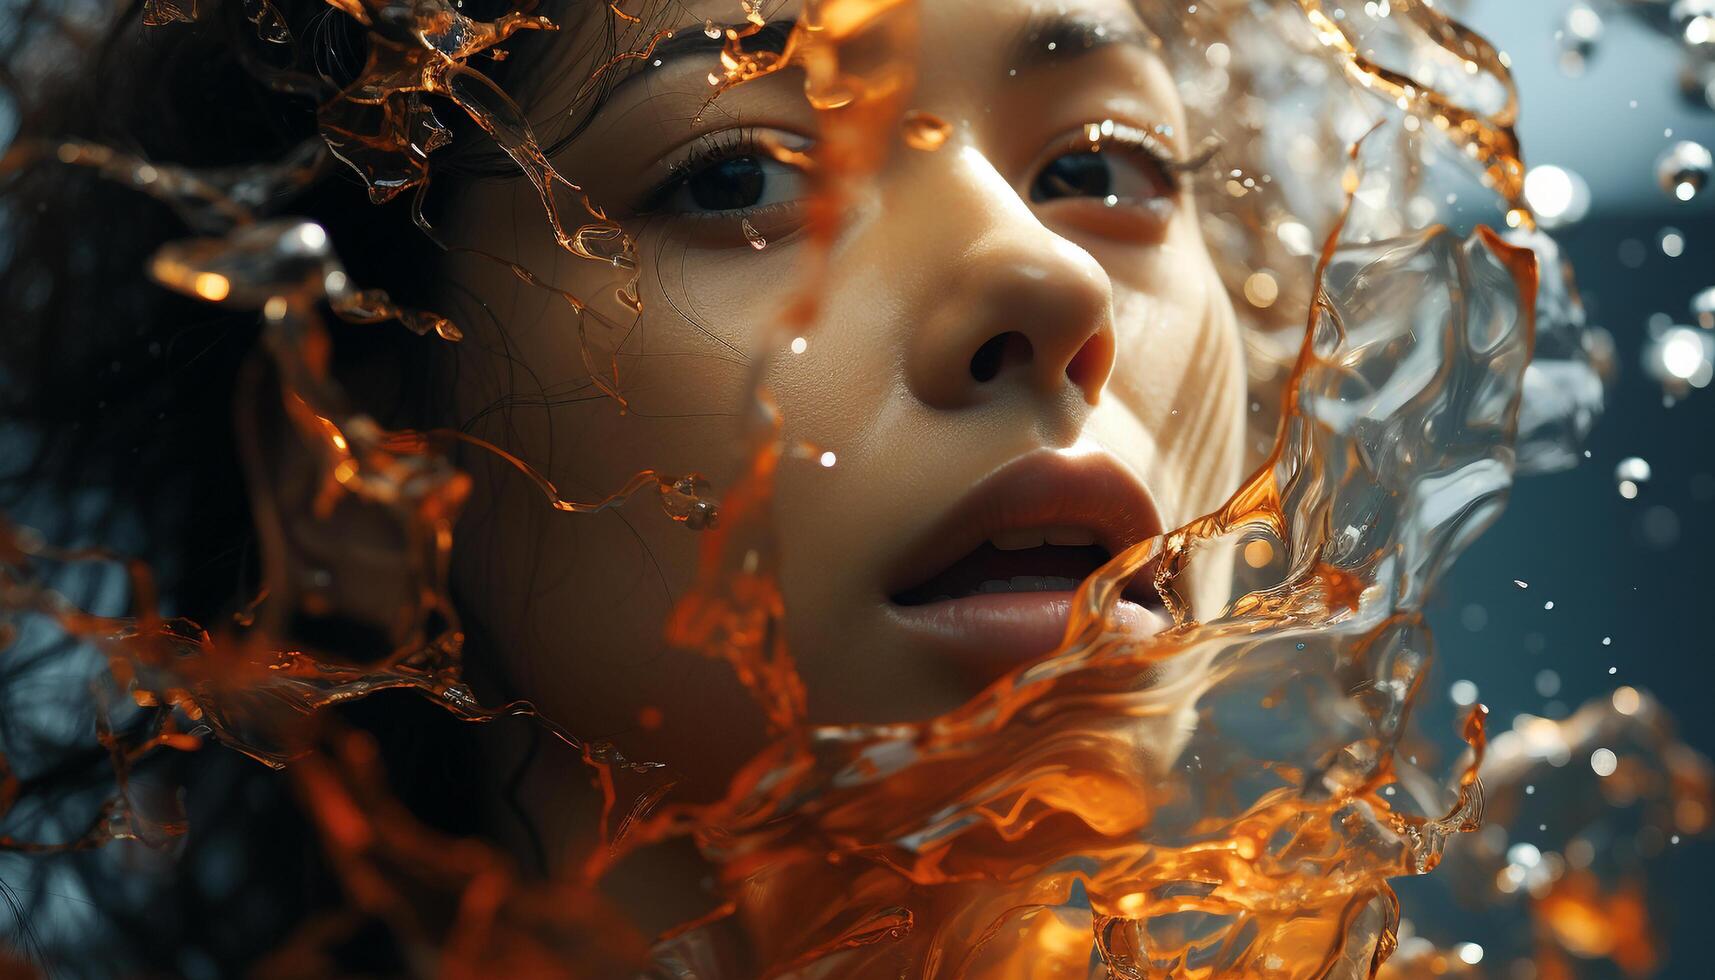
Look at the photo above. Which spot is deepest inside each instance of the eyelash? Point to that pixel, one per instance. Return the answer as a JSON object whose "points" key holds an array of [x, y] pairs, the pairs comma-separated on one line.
{"points": [[706, 151], [730, 144], [1174, 169]]}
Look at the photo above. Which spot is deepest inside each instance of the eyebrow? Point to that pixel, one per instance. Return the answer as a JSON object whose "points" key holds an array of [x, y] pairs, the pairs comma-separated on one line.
{"points": [[1058, 38]]}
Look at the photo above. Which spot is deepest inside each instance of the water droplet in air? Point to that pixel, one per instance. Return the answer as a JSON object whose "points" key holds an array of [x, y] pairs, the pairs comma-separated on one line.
{"points": [[1632, 473], [924, 131], [1579, 34], [1703, 308], [1603, 762], [1672, 242], [1680, 357], [1261, 290], [1558, 196], [1684, 169]]}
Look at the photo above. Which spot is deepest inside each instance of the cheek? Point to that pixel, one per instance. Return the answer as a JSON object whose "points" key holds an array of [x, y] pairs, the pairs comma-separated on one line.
{"points": [[1180, 371]]}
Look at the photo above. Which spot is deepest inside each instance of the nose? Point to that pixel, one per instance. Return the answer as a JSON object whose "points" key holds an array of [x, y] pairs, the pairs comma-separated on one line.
{"points": [[1010, 305]]}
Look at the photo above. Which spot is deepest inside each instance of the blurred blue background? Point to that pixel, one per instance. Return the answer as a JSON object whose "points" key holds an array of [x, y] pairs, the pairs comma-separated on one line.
{"points": [[1637, 571]]}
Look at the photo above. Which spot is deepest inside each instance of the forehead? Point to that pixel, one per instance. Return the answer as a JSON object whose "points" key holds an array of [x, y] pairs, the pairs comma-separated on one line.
{"points": [[950, 30]]}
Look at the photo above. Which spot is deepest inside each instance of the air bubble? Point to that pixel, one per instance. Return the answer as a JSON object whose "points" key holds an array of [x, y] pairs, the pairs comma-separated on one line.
{"points": [[1683, 170], [1556, 195], [1703, 308], [1672, 242], [1632, 473], [1579, 33], [1679, 358]]}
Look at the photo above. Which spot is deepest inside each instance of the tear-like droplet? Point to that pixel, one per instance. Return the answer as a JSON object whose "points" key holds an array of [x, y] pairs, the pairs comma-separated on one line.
{"points": [[924, 131], [1684, 169], [753, 236], [711, 30]]}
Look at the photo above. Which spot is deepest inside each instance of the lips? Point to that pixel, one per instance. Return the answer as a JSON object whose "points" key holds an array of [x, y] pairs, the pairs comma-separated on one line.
{"points": [[990, 584]]}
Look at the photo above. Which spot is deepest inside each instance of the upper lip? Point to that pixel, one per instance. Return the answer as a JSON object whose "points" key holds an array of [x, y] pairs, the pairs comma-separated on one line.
{"points": [[1041, 489]]}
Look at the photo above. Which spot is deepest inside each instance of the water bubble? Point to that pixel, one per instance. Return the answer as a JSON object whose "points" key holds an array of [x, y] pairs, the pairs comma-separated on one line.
{"points": [[1603, 762], [1579, 33], [1683, 170], [1547, 683], [1463, 693], [1680, 357], [1558, 196], [1261, 290], [1659, 528], [1672, 242], [1703, 308], [1695, 21], [924, 131], [1630, 474], [1298, 240], [1469, 953], [1627, 701]]}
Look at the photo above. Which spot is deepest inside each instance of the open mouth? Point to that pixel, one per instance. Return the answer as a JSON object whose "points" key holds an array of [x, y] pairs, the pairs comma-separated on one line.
{"points": [[989, 585], [1022, 560]]}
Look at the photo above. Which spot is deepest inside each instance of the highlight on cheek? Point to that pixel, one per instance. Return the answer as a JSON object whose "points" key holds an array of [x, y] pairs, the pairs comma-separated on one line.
{"points": [[1231, 796]]}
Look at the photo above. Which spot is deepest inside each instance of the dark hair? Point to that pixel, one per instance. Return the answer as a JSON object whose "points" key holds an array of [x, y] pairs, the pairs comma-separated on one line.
{"points": [[116, 428]]}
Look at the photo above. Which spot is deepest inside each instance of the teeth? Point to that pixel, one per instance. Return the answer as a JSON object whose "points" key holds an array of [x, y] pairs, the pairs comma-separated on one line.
{"points": [[1075, 537], [994, 585], [1043, 583], [1017, 540]]}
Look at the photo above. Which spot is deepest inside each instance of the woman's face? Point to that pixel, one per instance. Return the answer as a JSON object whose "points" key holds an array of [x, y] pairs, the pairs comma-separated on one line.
{"points": [[1023, 361]]}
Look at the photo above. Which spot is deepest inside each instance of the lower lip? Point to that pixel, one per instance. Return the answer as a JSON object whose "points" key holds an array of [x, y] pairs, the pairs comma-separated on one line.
{"points": [[988, 635]]}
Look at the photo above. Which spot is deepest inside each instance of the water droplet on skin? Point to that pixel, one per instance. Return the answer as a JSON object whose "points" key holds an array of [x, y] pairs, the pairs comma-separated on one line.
{"points": [[1683, 170], [753, 236], [711, 30], [925, 131]]}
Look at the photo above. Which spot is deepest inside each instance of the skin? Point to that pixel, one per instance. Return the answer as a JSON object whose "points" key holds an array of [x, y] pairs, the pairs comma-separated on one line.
{"points": [[942, 251]]}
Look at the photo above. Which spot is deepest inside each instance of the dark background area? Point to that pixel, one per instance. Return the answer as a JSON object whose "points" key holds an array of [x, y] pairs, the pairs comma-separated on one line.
{"points": [[1639, 570]]}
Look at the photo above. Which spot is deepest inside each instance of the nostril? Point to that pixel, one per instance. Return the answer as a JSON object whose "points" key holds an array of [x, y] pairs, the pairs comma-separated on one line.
{"points": [[1089, 368], [998, 353]]}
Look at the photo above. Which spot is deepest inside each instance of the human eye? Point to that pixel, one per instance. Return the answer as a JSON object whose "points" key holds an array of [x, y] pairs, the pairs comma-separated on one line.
{"points": [[1112, 165], [730, 174]]}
